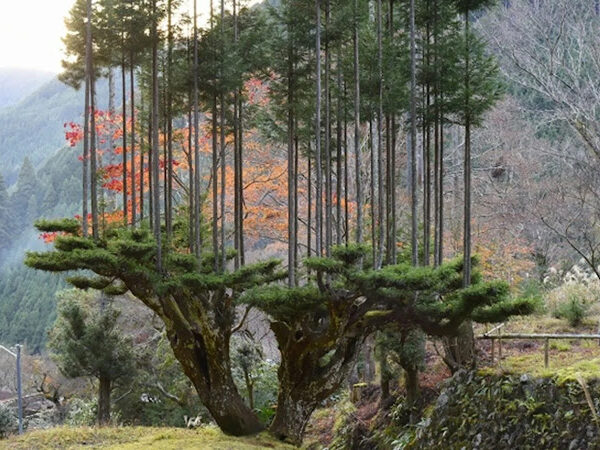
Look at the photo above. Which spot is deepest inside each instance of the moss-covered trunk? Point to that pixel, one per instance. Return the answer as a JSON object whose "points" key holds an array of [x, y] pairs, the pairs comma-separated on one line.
{"points": [[313, 367], [292, 416], [204, 356], [459, 352]]}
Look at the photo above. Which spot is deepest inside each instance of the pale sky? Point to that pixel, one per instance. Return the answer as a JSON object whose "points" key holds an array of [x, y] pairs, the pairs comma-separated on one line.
{"points": [[31, 31]]}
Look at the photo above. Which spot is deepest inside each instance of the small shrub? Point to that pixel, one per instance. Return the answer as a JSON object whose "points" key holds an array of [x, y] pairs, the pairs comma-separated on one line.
{"points": [[573, 311], [561, 346], [7, 421], [81, 412], [535, 291], [572, 301], [252, 371]]}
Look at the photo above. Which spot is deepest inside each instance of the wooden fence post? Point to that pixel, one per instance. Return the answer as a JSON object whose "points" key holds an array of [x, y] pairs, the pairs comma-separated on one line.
{"points": [[500, 350], [546, 348]]}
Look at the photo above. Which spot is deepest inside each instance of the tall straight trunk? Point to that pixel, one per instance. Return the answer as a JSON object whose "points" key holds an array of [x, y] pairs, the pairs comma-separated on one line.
{"points": [[290, 164], [388, 191], [460, 352], [222, 152], [155, 149], [236, 159], [338, 153], [318, 155], [437, 188], [373, 181], [436, 185], [169, 130], [215, 174], [309, 207], [392, 177], [215, 191], [86, 154], [413, 139], [241, 180], [93, 158], [236, 183], [165, 168], [327, 149], [223, 185], [150, 165], [426, 196], [104, 388], [441, 188], [196, 175], [295, 199], [467, 166], [359, 218], [190, 158], [380, 177], [390, 148], [132, 114], [111, 109], [427, 155], [124, 137], [142, 149], [88, 140], [394, 231], [346, 196]]}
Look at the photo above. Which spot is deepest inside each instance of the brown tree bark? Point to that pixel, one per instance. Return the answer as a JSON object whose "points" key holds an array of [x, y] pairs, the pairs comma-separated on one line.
{"points": [[132, 114], [413, 139], [318, 152], [203, 351], [327, 141], [196, 175], [304, 382], [104, 390], [93, 157], [124, 137], [292, 235], [359, 200], [155, 150]]}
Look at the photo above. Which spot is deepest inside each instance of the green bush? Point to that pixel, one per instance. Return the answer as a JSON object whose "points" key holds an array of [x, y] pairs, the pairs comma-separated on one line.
{"points": [[573, 301], [535, 291], [253, 372], [81, 412], [7, 421], [573, 311]]}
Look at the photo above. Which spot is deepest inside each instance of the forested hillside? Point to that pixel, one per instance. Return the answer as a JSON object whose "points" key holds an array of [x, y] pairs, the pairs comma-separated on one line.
{"points": [[39, 178], [33, 127], [28, 304], [19, 83], [50, 187]]}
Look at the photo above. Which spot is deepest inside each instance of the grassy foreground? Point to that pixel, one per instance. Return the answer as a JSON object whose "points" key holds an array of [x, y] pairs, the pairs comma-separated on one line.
{"points": [[138, 438]]}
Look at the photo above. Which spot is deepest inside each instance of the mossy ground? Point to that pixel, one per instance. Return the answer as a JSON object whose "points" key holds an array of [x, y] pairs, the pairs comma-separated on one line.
{"points": [[568, 358], [130, 438]]}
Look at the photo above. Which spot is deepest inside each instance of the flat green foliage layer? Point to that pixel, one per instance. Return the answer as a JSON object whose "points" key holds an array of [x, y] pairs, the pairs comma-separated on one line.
{"points": [[209, 438], [510, 412]]}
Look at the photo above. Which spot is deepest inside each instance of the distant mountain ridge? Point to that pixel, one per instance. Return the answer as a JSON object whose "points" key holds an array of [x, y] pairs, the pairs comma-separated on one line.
{"points": [[33, 127], [16, 84]]}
